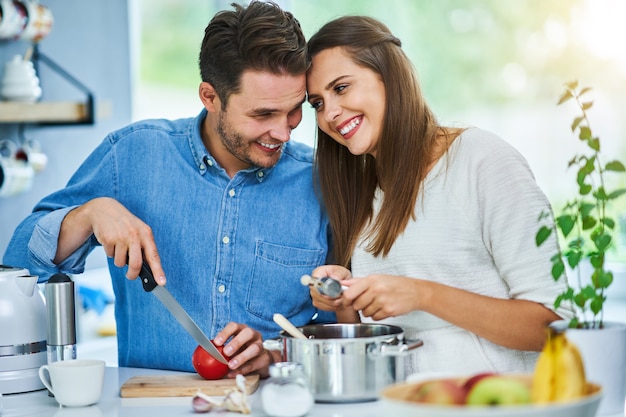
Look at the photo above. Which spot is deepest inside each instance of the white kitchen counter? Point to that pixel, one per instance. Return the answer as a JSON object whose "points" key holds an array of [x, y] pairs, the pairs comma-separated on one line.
{"points": [[39, 404]]}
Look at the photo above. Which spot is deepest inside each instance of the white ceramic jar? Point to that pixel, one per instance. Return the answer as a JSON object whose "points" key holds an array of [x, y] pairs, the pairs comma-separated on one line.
{"points": [[20, 82]]}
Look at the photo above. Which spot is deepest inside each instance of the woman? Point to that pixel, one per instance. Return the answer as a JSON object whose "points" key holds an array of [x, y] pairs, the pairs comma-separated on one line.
{"points": [[433, 226]]}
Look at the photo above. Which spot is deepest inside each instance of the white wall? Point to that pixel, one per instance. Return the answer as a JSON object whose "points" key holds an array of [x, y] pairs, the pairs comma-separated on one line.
{"points": [[89, 39]]}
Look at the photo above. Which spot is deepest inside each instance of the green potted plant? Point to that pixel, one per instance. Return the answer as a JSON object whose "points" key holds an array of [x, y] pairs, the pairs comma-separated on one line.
{"points": [[587, 232]]}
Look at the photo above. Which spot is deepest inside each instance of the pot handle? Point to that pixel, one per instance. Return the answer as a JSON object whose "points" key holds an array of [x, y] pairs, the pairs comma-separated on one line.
{"points": [[398, 350], [272, 344]]}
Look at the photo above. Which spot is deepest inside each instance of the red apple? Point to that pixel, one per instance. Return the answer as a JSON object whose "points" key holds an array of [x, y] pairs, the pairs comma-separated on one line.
{"points": [[471, 381], [440, 391]]}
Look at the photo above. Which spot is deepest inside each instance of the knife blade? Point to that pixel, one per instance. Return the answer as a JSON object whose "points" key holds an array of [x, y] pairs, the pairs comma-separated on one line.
{"points": [[179, 313]]}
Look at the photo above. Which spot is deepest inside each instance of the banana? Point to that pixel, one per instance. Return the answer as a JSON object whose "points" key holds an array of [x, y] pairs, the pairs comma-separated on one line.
{"points": [[559, 373], [543, 377]]}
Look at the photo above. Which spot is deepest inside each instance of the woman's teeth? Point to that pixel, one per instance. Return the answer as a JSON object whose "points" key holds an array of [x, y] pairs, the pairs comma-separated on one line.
{"points": [[347, 128]]}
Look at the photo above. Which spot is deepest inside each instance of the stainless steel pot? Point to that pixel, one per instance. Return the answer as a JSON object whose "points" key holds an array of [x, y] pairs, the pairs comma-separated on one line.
{"points": [[347, 362]]}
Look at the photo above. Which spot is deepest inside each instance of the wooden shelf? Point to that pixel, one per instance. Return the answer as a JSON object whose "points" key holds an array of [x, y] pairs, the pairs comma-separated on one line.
{"points": [[43, 112]]}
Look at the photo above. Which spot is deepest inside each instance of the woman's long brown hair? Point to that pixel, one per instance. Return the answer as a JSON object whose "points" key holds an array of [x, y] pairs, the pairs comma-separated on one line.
{"points": [[405, 149]]}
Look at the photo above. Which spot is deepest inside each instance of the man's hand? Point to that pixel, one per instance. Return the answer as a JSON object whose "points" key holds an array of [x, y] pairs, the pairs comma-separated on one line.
{"points": [[124, 237], [246, 350]]}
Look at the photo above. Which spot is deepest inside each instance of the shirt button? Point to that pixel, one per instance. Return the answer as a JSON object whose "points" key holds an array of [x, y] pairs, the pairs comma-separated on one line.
{"points": [[231, 193], [225, 239], [221, 288], [209, 162], [260, 173]]}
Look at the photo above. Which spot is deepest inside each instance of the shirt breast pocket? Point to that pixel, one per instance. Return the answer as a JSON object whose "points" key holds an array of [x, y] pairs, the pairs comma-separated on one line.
{"points": [[275, 284]]}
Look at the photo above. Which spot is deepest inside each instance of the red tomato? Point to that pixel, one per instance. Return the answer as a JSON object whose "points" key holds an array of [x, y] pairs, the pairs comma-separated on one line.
{"points": [[207, 366]]}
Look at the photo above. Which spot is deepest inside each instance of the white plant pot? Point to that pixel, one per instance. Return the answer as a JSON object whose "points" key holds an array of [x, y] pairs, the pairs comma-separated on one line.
{"points": [[604, 356]]}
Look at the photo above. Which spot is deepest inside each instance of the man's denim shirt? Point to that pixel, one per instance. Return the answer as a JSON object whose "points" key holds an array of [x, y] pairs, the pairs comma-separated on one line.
{"points": [[232, 249]]}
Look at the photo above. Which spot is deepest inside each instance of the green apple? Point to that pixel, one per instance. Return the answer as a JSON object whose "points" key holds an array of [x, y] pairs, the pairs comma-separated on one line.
{"points": [[440, 391], [471, 381], [498, 390]]}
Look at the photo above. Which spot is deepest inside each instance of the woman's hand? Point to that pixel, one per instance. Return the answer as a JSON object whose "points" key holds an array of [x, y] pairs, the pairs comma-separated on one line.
{"points": [[381, 296], [345, 314]]}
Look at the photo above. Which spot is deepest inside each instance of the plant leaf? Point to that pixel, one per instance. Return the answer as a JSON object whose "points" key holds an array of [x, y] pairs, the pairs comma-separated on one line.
{"points": [[596, 261], [615, 166], [583, 91], [609, 222], [585, 133], [558, 268], [544, 215], [615, 194], [577, 243], [594, 144], [585, 209], [566, 96], [600, 194], [584, 189], [573, 259], [596, 305], [543, 233], [589, 222], [580, 300], [603, 279], [602, 241], [576, 122], [566, 223], [587, 105], [588, 292]]}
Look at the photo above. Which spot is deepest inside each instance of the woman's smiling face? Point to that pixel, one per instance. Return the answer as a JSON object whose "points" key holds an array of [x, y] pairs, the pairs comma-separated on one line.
{"points": [[349, 100]]}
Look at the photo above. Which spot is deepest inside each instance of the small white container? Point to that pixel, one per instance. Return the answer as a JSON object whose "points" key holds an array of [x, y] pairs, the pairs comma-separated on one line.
{"points": [[286, 393]]}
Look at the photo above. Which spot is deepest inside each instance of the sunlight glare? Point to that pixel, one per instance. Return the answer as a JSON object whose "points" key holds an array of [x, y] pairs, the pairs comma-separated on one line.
{"points": [[600, 24]]}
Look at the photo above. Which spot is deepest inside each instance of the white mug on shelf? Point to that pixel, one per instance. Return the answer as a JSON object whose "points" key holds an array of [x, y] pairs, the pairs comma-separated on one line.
{"points": [[12, 19], [16, 175], [31, 153], [74, 383], [39, 21]]}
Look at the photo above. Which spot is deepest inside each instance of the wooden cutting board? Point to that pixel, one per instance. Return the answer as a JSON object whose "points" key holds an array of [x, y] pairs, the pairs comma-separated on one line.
{"points": [[181, 386]]}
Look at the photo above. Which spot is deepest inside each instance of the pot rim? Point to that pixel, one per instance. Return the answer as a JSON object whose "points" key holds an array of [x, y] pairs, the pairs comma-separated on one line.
{"points": [[393, 331]]}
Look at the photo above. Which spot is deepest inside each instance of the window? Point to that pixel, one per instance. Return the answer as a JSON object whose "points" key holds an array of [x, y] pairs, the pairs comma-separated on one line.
{"points": [[490, 63]]}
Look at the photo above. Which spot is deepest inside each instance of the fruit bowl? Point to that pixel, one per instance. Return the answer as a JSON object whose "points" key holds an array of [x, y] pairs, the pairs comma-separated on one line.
{"points": [[396, 402]]}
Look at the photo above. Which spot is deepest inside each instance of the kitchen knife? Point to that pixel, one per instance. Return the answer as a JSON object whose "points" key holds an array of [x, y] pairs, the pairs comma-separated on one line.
{"points": [[179, 313]]}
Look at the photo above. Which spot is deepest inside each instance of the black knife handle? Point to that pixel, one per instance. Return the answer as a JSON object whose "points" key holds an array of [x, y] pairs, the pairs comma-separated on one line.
{"points": [[147, 279]]}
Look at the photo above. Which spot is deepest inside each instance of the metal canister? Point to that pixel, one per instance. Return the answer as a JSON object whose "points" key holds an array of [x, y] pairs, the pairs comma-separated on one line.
{"points": [[61, 313]]}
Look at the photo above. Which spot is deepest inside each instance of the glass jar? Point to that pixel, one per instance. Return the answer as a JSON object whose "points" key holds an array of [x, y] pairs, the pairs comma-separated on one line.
{"points": [[286, 393]]}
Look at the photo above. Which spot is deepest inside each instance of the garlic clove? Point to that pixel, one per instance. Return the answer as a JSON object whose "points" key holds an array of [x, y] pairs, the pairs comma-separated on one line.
{"points": [[201, 403]]}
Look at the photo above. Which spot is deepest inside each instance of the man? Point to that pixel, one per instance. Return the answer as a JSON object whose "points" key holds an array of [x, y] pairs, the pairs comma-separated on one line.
{"points": [[220, 204]]}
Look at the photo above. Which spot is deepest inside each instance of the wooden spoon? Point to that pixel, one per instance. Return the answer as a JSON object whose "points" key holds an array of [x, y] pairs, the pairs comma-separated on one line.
{"points": [[287, 326]]}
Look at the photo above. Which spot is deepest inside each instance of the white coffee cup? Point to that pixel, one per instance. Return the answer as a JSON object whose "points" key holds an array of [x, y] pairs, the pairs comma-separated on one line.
{"points": [[13, 19], [31, 153], [38, 23], [74, 383], [16, 175]]}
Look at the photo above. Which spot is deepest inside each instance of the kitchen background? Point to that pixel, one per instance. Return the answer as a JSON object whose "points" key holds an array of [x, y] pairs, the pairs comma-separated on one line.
{"points": [[499, 65]]}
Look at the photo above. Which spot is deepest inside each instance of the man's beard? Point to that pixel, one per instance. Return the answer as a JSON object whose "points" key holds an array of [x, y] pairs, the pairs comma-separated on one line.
{"points": [[238, 146]]}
